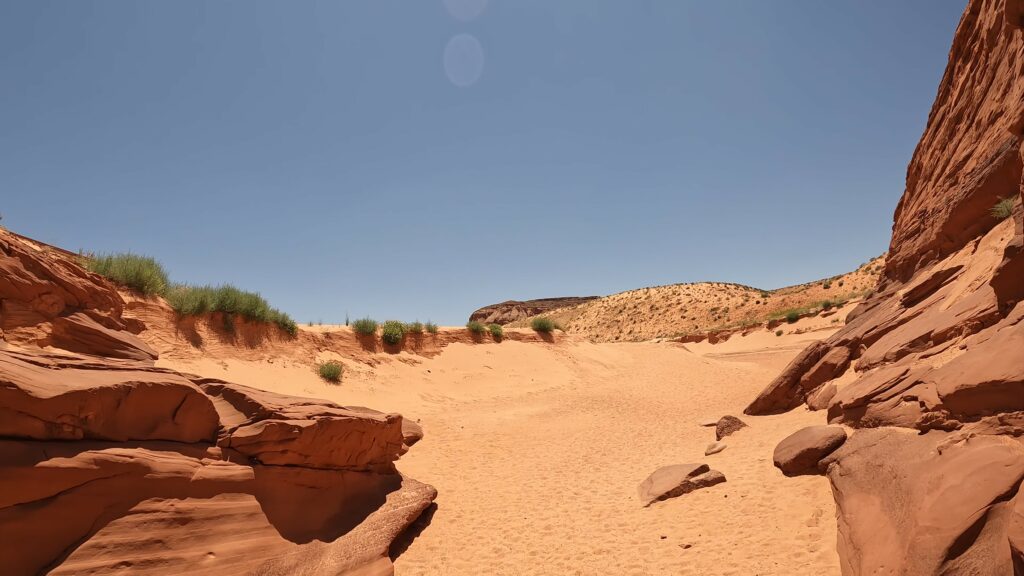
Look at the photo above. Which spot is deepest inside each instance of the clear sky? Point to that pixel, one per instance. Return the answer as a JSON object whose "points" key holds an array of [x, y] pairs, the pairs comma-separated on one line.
{"points": [[418, 159]]}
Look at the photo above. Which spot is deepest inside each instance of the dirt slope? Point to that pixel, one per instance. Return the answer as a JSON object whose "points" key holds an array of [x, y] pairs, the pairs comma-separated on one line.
{"points": [[687, 309]]}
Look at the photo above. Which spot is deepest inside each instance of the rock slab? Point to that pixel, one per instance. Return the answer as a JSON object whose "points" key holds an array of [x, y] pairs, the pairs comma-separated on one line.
{"points": [[676, 480], [800, 452]]}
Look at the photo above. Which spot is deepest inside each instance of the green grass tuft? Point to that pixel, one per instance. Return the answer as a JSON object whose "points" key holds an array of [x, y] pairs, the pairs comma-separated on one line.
{"points": [[792, 317], [331, 371], [475, 327], [365, 326], [497, 332], [414, 327], [140, 273], [230, 301], [392, 332], [1002, 209], [431, 327], [778, 332], [543, 324]]}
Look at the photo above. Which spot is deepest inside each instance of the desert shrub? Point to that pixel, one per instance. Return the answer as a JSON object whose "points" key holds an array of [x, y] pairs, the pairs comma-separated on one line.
{"points": [[496, 331], [284, 321], [1002, 209], [826, 285], [792, 317], [190, 300], [330, 371], [542, 324], [365, 326], [140, 273], [826, 305], [475, 327], [414, 327], [778, 332], [392, 331], [431, 327], [230, 301]]}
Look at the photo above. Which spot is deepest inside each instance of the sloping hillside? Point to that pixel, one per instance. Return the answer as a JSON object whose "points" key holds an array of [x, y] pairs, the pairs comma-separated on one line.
{"points": [[688, 309]]}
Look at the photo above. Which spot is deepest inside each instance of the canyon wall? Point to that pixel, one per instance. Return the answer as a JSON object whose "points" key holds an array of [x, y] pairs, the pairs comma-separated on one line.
{"points": [[933, 362]]}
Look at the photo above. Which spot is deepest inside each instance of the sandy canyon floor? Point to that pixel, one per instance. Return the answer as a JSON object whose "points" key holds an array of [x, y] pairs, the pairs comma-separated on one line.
{"points": [[537, 449]]}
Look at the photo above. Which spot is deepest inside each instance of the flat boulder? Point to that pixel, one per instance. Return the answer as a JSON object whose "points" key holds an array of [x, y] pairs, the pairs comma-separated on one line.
{"points": [[801, 451], [672, 481], [727, 425], [309, 432]]}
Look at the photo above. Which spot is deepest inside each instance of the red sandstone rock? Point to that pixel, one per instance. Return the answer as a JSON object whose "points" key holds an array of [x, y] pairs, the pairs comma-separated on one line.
{"points": [[800, 452], [48, 396], [910, 504], [289, 431], [49, 300]]}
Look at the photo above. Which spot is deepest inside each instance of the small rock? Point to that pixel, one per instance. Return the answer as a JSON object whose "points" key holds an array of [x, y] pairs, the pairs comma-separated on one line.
{"points": [[727, 425], [714, 448], [671, 481]]}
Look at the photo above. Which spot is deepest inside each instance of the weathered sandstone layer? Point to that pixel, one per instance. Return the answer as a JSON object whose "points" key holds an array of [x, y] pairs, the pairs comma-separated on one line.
{"points": [[110, 464], [939, 348]]}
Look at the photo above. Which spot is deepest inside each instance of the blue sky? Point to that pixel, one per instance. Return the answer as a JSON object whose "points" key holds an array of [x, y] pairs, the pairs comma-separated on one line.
{"points": [[422, 158]]}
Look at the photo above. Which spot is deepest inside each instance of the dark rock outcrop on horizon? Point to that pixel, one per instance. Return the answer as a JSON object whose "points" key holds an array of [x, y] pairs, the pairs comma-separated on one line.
{"points": [[512, 310], [938, 349]]}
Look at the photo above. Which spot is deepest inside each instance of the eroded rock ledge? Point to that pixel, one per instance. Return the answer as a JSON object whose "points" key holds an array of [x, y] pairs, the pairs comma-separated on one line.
{"points": [[109, 464]]}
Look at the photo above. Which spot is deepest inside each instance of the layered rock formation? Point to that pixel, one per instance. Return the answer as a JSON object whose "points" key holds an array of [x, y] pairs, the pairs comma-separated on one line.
{"points": [[513, 310], [940, 346], [109, 464]]}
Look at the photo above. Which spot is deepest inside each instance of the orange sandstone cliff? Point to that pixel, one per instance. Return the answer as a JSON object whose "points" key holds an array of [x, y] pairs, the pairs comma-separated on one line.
{"points": [[109, 464], [930, 369]]}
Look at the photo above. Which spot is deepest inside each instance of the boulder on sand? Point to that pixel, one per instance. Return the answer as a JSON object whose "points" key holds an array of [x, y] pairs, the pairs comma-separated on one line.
{"points": [[802, 450], [671, 481], [727, 425]]}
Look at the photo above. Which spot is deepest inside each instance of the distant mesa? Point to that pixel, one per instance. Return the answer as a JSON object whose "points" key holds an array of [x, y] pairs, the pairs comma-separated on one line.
{"points": [[514, 310]]}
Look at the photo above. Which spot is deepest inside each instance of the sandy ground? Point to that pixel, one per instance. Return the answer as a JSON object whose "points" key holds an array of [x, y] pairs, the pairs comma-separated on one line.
{"points": [[537, 449]]}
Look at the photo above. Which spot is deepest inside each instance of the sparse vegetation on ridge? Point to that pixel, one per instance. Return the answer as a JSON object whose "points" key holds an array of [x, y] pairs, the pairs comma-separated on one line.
{"points": [[497, 332], [543, 324], [330, 371], [392, 332], [365, 326], [475, 327], [228, 300], [414, 327], [146, 276], [140, 273], [431, 327]]}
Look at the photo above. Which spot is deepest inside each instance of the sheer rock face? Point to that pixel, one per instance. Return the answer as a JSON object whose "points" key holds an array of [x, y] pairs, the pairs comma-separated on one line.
{"points": [[941, 337], [938, 347], [512, 310], [109, 464]]}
